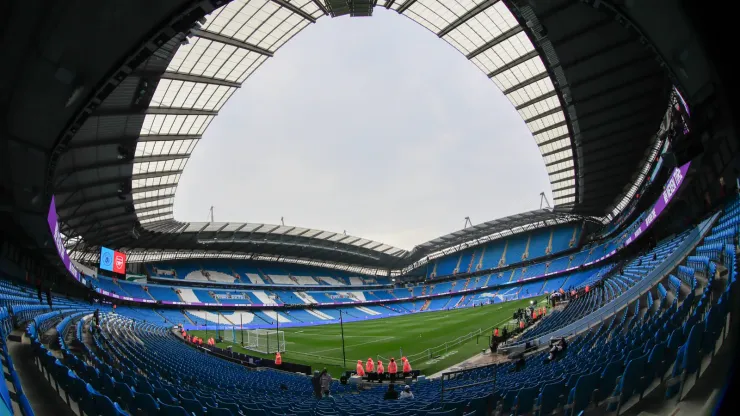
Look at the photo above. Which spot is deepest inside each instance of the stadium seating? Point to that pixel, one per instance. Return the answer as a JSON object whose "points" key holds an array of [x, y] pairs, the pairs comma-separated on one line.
{"points": [[665, 336]]}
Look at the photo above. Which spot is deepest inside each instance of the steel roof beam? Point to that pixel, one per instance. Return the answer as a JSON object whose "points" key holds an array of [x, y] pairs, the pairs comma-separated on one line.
{"points": [[175, 76], [101, 221], [570, 168], [389, 3], [554, 140], [535, 100], [526, 82], [552, 152], [405, 6], [593, 54], [152, 188], [633, 98], [150, 216], [180, 111], [511, 64], [295, 9], [608, 71], [321, 6], [548, 128], [124, 162], [129, 139], [544, 114], [580, 32], [78, 203], [215, 37], [620, 129], [495, 41], [564, 196], [467, 16], [596, 94], [564, 188]]}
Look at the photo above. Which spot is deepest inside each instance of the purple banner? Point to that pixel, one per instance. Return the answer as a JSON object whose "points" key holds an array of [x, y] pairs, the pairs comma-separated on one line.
{"points": [[669, 191], [52, 219]]}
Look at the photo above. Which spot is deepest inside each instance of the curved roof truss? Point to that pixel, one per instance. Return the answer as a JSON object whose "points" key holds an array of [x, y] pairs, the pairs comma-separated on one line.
{"points": [[236, 39]]}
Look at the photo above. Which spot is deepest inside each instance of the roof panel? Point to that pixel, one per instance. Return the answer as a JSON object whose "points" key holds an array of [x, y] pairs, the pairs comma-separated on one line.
{"points": [[237, 38], [504, 52], [481, 28], [435, 15]]}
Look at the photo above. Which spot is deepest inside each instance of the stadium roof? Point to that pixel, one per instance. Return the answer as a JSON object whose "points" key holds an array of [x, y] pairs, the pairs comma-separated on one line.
{"points": [[589, 88]]}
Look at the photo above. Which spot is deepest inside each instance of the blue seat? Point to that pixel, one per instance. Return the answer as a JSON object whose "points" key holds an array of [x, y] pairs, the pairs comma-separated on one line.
{"points": [[193, 406], [164, 396], [582, 393], [687, 363], [231, 406], [549, 399], [507, 402], [123, 394], [168, 410], [88, 400], [104, 406], [657, 362], [608, 380], [525, 400], [144, 404], [451, 412], [222, 411], [629, 383]]}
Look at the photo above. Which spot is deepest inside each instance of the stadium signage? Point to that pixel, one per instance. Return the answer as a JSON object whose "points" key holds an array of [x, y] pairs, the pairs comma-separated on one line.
{"points": [[53, 221], [229, 296], [669, 191]]}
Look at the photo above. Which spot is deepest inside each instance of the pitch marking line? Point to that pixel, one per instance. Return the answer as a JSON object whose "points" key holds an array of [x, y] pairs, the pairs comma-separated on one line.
{"points": [[355, 345]]}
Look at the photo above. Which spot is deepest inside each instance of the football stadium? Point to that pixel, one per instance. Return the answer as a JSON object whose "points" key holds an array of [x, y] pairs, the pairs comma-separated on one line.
{"points": [[619, 297]]}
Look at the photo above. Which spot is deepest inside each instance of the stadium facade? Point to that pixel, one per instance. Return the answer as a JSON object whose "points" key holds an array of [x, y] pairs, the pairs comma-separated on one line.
{"points": [[632, 120]]}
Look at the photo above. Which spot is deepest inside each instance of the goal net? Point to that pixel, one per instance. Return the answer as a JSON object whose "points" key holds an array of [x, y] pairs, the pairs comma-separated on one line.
{"points": [[265, 341]]}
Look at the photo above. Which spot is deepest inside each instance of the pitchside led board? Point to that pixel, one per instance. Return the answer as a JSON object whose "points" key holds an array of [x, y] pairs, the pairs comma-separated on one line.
{"points": [[113, 261]]}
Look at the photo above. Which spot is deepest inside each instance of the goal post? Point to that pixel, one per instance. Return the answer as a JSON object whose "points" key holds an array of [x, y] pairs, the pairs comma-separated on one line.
{"points": [[264, 341]]}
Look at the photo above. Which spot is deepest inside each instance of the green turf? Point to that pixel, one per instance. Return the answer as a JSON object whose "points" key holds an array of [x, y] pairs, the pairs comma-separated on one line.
{"points": [[320, 346]]}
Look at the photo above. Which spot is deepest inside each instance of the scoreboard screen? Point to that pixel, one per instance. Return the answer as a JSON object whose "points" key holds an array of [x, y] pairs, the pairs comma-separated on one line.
{"points": [[113, 261]]}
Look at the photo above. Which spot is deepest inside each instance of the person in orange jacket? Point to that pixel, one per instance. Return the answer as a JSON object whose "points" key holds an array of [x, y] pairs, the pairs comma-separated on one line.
{"points": [[369, 366], [370, 369], [278, 358], [360, 370], [406, 367], [380, 371], [392, 369]]}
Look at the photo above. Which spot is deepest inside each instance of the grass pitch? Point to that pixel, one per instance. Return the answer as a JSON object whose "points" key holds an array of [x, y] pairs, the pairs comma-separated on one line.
{"points": [[421, 336]]}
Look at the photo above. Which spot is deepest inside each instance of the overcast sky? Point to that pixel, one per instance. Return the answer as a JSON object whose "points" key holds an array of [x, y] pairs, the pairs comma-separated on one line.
{"points": [[370, 125]]}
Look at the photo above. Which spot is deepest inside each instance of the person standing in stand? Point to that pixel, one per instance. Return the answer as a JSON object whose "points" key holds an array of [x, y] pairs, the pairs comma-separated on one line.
{"points": [[380, 371], [392, 369], [406, 367], [325, 383], [48, 296]]}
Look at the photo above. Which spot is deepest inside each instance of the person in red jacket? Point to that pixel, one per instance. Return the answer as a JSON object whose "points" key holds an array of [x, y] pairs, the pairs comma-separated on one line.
{"points": [[278, 358], [406, 367], [360, 370], [392, 369], [380, 371]]}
